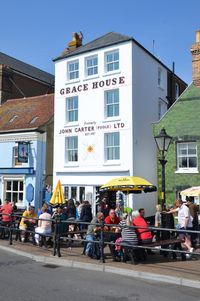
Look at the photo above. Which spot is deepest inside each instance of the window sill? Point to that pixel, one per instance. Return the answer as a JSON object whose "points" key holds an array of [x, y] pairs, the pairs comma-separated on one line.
{"points": [[91, 77], [183, 171], [71, 124], [112, 119], [110, 163], [73, 81], [161, 88], [111, 73]]}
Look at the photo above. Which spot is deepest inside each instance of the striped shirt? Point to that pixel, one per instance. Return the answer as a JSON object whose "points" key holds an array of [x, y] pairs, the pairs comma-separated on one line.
{"points": [[128, 234]]}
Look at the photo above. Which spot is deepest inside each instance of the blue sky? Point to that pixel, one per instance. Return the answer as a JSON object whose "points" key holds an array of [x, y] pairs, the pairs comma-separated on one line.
{"points": [[37, 31]]}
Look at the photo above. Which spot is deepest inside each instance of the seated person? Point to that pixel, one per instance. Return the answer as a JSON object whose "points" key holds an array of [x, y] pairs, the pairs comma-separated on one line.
{"points": [[28, 223], [92, 234], [144, 235], [6, 209], [44, 224], [113, 231]]}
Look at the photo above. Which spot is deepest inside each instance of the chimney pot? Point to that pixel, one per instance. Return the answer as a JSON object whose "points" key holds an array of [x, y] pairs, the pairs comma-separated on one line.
{"points": [[198, 36]]}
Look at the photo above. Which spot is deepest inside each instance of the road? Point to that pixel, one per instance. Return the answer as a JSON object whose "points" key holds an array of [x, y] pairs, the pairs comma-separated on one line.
{"points": [[22, 279]]}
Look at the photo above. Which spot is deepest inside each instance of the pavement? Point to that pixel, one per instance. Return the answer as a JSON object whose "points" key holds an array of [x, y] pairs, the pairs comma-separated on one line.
{"points": [[155, 268]]}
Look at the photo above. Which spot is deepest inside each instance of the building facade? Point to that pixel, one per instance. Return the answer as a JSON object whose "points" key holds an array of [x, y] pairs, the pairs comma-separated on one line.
{"points": [[26, 149], [182, 122], [18, 79], [107, 94]]}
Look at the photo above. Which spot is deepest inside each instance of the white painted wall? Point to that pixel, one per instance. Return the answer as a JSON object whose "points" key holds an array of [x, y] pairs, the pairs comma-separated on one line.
{"points": [[139, 97]]}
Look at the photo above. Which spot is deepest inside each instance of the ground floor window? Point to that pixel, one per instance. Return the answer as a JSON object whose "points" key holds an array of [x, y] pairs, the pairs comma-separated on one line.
{"points": [[14, 190], [74, 192]]}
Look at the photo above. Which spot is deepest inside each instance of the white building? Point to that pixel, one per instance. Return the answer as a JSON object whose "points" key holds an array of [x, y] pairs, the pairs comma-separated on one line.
{"points": [[107, 94]]}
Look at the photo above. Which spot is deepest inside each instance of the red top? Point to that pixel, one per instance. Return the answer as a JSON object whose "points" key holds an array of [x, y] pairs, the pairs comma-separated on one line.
{"points": [[109, 221], [142, 233], [6, 209]]}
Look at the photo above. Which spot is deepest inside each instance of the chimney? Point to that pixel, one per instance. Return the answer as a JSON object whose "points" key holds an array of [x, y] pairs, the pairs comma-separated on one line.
{"points": [[76, 42], [195, 50]]}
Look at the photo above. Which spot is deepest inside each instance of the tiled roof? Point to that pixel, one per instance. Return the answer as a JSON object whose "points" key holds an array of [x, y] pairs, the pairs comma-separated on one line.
{"points": [[25, 110], [191, 93], [108, 39], [26, 69]]}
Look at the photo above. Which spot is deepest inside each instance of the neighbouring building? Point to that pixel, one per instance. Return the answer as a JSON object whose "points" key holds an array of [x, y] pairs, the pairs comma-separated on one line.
{"points": [[26, 149], [107, 94], [18, 79], [182, 122]]}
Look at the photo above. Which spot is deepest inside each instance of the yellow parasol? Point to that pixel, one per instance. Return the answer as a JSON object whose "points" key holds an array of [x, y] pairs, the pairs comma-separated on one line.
{"points": [[192, 191], [58, 196], [129, 184]]}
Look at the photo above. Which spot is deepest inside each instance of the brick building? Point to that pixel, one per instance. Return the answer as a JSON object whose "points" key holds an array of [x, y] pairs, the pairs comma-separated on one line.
{"points": [[18, 79], [182, 122]]}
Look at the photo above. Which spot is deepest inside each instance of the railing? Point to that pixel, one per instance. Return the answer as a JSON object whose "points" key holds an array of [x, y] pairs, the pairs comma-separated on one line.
{"points": [[12, 226]]}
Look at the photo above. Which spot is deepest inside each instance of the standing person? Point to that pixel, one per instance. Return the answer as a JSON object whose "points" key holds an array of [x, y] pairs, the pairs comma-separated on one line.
{"points": [[157, 222], [6, 209], [195, 220], [86, 214], [184, 222]]}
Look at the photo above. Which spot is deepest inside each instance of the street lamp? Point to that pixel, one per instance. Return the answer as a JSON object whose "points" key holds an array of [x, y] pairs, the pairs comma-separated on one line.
{"points": [[163, 141]]}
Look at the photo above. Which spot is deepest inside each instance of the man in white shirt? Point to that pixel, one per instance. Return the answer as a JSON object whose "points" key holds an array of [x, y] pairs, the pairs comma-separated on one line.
{"points": [[184, 221]]}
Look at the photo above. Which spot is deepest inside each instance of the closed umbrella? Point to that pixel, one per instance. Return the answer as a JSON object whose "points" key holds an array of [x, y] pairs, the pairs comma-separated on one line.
{"points": [[57, 196]]}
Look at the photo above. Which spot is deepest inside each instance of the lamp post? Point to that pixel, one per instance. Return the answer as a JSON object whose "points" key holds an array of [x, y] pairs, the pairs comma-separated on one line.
{"points": [[163, 141]]}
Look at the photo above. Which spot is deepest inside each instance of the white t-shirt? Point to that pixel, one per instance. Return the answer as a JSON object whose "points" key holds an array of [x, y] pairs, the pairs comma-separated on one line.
{"points": [[184, 212]]}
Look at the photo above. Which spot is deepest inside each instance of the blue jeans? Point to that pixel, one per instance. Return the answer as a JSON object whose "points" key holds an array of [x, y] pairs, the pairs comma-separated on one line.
{"points": [[89, 238]]}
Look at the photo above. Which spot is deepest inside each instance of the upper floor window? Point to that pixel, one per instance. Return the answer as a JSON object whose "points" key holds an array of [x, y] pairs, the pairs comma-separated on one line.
{"points": [[187, 156], [91, 66], [112, 146], [177, 90], [112, 60], [112, 103], [162, 108], [72, 109], [73, 70], [71, 149], [160, 77]]}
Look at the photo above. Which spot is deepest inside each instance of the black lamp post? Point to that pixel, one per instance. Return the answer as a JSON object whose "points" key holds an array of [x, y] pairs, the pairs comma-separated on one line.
{"points": [[163, 141]]}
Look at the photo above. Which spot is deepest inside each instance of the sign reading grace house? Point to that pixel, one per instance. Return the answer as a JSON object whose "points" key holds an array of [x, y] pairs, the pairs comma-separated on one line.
{"points": [[93, 85]]}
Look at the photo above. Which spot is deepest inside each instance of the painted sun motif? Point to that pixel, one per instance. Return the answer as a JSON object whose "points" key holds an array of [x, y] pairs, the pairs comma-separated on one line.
{"points": [[90, 148]]}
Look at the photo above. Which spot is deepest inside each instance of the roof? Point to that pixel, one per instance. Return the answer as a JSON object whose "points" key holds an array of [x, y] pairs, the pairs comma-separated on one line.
{"points": [[26, 69], [20, 114], [108, 39]]}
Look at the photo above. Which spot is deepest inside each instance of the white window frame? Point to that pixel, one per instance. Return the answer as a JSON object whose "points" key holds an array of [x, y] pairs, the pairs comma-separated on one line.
{"points": [[73, 73], [187, 156], [111, 147], [72, 109], [162, 107], [113, 104], [160, 77], [113, 65], [71, 154], [177, 90], [90, 66], [12, 179]]}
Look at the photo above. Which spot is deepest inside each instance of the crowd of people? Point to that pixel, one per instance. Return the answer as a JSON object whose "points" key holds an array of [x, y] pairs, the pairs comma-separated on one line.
{"points": [[120, 229]]}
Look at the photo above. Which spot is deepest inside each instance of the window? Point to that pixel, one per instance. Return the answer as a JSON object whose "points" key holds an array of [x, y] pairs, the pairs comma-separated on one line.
{"points": [[112, 146], [73, 70], [187, 155], [91, 66], [16, 162], [112, 61], [177, 91], [162, 108], [14, 190], [112, 103], [72, 109], [160, 77], [13, 118], [72, 149]]}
